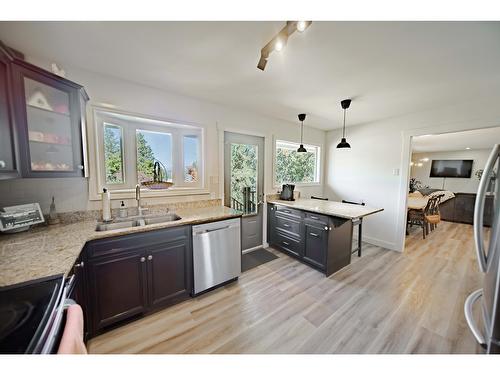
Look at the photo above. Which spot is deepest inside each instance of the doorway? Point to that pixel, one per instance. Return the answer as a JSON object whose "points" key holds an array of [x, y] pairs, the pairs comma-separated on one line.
{"points": [[243, 184]]}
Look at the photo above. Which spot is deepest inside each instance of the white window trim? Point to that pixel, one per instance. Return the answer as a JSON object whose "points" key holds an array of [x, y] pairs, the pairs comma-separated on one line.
{"points": [[319, 163], [122, 191]]}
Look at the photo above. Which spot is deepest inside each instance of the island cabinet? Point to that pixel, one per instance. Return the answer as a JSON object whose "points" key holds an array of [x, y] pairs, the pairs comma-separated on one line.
{"points": [[132, 275], [321, 241]]}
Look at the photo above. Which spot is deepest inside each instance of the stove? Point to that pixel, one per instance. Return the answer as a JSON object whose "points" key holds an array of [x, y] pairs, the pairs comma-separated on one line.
{"points": [[29, 313]]}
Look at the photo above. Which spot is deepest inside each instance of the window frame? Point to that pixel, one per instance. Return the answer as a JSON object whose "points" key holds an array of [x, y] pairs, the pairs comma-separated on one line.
{"points": [[129, 127], [318, 174]]}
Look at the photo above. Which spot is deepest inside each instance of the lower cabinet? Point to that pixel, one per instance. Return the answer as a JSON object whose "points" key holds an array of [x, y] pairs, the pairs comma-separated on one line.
{"points": [[118, 288], [321, 241], [316, 245], [133, 275]]}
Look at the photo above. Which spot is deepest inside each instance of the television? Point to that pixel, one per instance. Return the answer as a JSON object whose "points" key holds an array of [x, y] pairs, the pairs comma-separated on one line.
{"points": [[451, 168]]}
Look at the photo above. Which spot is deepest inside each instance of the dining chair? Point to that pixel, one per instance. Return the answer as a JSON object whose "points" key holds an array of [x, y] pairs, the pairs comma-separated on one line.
{"points": [[426, 217], [359, 223]]}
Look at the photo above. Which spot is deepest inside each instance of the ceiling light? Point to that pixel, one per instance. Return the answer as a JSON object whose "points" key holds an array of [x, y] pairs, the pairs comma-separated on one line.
{"points": [[343, 143], [467, 148], [278, 46], [424, 159], [302, 117], [279, 41], [301, 26]]}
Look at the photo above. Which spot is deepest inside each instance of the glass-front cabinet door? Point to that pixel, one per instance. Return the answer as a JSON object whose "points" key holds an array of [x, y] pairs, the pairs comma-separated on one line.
{"points": [[48, 110]]}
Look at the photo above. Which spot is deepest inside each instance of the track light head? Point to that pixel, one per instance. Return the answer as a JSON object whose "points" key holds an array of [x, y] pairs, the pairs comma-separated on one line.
{"points": [[302, 117]]}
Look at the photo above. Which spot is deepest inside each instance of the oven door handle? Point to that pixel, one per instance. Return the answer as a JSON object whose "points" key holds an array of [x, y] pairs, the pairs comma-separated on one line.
{"points": [[51, 337]]}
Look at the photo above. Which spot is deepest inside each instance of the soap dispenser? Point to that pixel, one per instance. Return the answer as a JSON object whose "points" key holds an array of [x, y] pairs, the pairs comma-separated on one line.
{"points": [[106, 205], [122, 212]]}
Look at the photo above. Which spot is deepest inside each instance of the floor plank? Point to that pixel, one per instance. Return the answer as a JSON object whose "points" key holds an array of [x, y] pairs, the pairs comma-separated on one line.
{"points": [[384, 302]]}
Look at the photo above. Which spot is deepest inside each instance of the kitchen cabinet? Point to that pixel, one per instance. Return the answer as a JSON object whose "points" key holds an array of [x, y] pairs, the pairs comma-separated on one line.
{"points": [[460, 209], [49, 122], [169, 271], [135, 274], [323, 242], [8, 163], [118, 288]]}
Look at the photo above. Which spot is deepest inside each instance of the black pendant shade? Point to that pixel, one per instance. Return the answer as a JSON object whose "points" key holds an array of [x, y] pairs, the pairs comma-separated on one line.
{"points": [[302, 117], [343, 143]]}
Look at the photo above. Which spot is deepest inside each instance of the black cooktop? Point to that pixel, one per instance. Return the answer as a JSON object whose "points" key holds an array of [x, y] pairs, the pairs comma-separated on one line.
{"points": [[25, 310]]}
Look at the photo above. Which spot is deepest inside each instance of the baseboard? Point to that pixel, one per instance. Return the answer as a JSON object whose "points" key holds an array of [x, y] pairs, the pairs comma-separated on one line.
{"points": [[381, 243], [252, 249]]}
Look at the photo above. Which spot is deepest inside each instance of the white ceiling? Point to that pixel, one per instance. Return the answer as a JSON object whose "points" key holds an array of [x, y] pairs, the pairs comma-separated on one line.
{"points": [[473, 139], [389, 69]]}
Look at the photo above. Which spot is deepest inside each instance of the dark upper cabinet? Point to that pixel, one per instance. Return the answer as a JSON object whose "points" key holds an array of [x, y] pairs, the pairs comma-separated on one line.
{"points": [[8, 165], [117, 288], [49, 122], [42, 121]]}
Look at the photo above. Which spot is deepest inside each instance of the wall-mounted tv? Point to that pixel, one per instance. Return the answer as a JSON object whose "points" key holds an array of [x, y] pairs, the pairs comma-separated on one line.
{"points": [[451, 168]]}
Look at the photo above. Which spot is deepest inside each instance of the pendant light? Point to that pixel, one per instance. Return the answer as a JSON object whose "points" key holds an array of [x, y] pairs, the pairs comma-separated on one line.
{"points": [[343, 143], [302, 117]]}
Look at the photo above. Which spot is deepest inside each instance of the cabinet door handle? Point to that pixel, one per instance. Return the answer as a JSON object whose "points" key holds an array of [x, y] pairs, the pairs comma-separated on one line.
{"points": [[287, 211], [143, 259], [286, 225], [285, 243], [313, 234], [79, 265], [80, 167], [2, 164], [314, 217], [150, 257]]}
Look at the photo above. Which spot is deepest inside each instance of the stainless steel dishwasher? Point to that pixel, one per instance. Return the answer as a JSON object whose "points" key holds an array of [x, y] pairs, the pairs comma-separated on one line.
{"points": [[216, 253]]}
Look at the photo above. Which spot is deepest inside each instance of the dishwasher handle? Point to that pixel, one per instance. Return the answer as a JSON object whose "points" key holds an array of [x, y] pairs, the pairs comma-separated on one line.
{"points": [[212, 230]]}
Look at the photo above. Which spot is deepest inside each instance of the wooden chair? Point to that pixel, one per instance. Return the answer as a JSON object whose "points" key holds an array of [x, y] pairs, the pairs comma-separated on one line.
{"points": [[358, 222], [426, 217]]}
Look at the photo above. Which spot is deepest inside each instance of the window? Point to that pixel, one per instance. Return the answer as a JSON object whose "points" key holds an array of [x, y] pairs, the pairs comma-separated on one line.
{"points": [[113, 154], [132, 150], [154, 149], [191, 146], [296, 167]]}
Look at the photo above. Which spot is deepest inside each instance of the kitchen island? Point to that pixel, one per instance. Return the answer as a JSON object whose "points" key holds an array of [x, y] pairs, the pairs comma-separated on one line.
{"points": [[313, 231]]}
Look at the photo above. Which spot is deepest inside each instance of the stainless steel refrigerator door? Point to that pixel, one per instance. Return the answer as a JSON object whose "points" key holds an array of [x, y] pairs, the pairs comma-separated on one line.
{"points": [[216, 253], [490, 174]]}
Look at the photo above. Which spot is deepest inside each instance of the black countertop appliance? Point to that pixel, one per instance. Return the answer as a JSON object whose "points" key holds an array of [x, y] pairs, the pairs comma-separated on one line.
{"points": [[287, 192]]}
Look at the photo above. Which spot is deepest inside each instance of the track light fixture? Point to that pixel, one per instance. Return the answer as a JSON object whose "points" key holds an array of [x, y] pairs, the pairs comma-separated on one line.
{"points": [[279, 41]]}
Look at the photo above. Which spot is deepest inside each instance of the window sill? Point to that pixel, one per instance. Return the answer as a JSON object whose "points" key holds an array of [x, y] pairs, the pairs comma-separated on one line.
{"points": [[145, 193]]}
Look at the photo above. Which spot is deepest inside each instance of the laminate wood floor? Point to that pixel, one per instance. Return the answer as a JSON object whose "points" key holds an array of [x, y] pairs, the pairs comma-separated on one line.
{"points": [[384, 302]]}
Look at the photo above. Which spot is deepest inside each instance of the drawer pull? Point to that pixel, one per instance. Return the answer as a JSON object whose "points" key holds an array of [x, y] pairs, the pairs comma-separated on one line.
{"points": [[143, 259], [286, 225], [314, 234], [314, 217], [285, 243]]}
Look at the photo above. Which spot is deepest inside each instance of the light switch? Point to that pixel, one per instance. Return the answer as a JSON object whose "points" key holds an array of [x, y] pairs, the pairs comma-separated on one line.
{"points": [[395, 171]]}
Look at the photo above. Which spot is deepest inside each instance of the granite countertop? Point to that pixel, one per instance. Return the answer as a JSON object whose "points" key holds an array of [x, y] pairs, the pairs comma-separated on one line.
{"points": [[51, 250], [330, 208]]}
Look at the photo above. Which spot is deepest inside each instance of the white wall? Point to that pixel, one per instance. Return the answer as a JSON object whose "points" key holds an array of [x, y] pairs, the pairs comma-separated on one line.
{"points": [[367, 170], [456, 185], [72, 194]]}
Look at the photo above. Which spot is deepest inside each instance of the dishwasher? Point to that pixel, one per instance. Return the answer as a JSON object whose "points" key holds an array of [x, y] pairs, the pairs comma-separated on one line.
{"points": [[216, 253]]}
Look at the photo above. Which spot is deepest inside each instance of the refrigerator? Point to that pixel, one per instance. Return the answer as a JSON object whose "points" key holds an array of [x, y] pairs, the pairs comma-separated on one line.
{"points": [[487, 243]]}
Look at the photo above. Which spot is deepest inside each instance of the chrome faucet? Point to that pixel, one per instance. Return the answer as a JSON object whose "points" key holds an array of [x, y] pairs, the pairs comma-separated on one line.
{"points": [[140, 209]]}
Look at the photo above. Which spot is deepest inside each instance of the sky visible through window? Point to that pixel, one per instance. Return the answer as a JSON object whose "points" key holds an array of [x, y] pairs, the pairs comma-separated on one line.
{"points": [[161, 145]]}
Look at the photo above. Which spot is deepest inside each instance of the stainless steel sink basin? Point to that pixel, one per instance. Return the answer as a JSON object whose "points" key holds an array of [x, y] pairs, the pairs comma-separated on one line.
{"points": [[138, 221]]}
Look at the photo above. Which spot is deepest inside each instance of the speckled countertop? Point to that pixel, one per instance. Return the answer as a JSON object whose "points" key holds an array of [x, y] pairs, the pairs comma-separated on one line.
{"points": [[330, 208], [50, 250]]}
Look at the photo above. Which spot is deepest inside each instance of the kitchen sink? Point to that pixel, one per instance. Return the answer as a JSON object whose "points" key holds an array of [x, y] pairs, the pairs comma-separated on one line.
{"points": [[138, 221]]}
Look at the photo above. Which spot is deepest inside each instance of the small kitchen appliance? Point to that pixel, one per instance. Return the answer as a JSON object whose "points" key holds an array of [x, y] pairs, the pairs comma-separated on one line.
{"points": [[20, 218], [287, 192]]}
